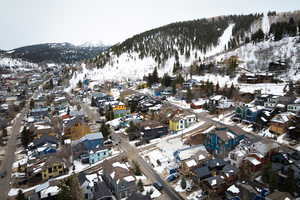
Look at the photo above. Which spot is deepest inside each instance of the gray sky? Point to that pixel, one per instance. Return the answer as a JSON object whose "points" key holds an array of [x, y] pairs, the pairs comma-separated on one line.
{"points": [[25, 22]]}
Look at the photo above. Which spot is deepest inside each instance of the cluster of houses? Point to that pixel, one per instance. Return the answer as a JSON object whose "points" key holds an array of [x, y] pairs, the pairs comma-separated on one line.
{"points": [[274, 112]]}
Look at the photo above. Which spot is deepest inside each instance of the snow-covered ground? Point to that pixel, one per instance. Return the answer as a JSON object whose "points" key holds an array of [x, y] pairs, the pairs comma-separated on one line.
{"points": [[256, 57], [128, 66]]}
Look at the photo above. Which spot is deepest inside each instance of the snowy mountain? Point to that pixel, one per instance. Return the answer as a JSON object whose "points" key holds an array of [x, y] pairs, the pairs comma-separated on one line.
{"points": [[93, 44], [11, 64], [257, 40], [55, 53]]}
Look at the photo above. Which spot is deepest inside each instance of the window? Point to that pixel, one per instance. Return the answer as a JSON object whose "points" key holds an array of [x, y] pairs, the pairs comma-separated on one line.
{"points": [[60, 166], [86, 196], [50, 170], [54, 168]]}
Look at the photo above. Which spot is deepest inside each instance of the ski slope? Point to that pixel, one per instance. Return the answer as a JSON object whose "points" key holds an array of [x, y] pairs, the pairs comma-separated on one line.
{"points": [[128, 66]]}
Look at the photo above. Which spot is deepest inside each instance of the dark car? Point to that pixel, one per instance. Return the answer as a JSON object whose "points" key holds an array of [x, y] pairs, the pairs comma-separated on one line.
{"points": [[158, 185], [3, 174]]}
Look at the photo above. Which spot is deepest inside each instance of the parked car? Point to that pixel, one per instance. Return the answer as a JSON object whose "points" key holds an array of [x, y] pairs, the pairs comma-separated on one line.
{"points": [[158, 185], [172, 177], [3, 174]]}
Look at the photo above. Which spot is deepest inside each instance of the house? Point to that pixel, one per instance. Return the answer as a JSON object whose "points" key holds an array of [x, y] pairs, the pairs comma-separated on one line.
{"points": [[94, 156], [46, 149], [85, 148], [261, 99], [222, 140], [181, 121], [256, 78], [279, 124], [252, 163], [214, 184], [201, 173], [75, 128], [42, 128], [39, 112], [198, 104], [86, 183], [294, 107], [220, 102], [101, 191], [248, 112], [44, 191], [150, 129], [119, 179], [120, 110], [230, 173], [53, 167], [272, 101], [189, 152]]}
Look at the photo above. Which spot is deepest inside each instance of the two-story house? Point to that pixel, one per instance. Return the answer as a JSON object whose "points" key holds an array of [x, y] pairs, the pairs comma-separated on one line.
{"points": [[181, 121], [248, 112], [222, 140], [53, 167], [150, 129], [75, 128], [279, 124], [119, 179]]}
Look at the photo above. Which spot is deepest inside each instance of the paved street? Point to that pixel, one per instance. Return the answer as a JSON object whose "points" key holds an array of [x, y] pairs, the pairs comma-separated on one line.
{"points": [[10, 156], [132, 154]]}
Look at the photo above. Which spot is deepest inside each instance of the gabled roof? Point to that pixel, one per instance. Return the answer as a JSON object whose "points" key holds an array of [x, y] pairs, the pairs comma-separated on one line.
{"points": [[45, 139], [283, 117], [202, 172]]}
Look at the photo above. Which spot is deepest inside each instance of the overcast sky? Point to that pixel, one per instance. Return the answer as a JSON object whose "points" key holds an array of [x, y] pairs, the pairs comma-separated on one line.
{"points": [[25, 22]]}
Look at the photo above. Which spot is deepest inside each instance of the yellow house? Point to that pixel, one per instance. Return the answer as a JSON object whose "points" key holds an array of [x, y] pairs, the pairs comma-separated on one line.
{"points": [[181, 121], [53, 167], [76, 129]]}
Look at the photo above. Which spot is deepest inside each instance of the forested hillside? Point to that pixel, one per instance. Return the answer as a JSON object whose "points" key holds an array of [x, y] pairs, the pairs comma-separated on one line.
{"points": [[181, 38]]}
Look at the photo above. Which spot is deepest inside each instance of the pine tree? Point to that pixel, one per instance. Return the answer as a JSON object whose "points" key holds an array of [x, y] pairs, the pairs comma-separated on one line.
{"points": [[31, 104], [155, 76], [166, 81], [174, 91], [140, 185], [70, 189], [217, 88], [189, 95], [105, 130], [93, 102], [51, 84], [183, 183]]}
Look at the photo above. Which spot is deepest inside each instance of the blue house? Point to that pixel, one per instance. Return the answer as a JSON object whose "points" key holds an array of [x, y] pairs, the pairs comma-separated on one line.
{"points": [[39, 112], [248, 113], [95, 156], [92, 141], [42, 151], [222, 140]]}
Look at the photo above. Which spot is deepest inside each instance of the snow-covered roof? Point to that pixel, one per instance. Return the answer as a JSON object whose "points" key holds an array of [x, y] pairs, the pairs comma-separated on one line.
{"points": [[217, 97], [118, 164], [191, 163], [189, 152], [233, 189], [52, 190], [283, 117], [254, 161], [129, 178]]}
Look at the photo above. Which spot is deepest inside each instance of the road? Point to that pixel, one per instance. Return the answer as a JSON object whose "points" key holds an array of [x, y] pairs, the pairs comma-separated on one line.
{"points": [[133, 154], [206, 118], [10, 155]]}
